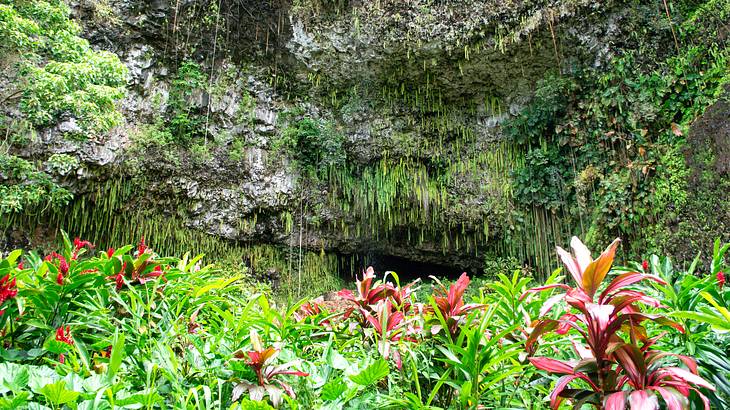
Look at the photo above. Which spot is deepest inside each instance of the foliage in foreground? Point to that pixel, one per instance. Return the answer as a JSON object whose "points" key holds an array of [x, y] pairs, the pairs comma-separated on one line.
{"points": [[124, 328]]}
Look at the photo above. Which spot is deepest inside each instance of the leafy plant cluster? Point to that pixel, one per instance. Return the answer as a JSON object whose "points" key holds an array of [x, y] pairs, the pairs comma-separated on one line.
{"points": [[314, 144], [612, 141], [125, 328], [185, 121], [23, 186], [60, 74]]}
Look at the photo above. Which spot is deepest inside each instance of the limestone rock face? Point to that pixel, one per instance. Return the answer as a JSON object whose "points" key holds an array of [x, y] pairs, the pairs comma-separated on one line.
{"points": [[425, 83]]}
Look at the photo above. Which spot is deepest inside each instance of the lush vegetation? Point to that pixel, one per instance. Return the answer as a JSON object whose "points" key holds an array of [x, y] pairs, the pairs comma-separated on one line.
{"points": [[59, 72], [125, 328]]}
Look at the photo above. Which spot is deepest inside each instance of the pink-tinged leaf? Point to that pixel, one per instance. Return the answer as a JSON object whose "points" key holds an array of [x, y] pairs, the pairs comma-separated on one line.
{"points": [[656, 356], [293, 373], [571, 264], [681, 374], [582, 254], [346, 294], [373, 321], [637, 318], [552, 365], [600, 316], [597, 270], [615, 401], [552, 300], [632, 362], [544, 288], [672, 398], [641, 400], [560, 385], [583, 351], [542, 327], [624, 298], [394, 320], [468, 307], [565, 323], [626, 279], [456, 291]]}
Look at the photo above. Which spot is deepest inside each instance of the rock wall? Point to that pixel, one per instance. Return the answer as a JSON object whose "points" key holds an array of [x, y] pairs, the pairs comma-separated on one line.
{"points": [[418, 90]]}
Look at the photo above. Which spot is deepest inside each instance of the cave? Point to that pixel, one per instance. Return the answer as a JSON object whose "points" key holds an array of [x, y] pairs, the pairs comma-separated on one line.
{"points": [[407, 269]]}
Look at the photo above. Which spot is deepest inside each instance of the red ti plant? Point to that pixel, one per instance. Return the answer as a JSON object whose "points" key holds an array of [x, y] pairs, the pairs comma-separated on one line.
{"points": [[142, 269], [390, 325], [260, 361], [618, 373], [451, 305], [368, 293]]}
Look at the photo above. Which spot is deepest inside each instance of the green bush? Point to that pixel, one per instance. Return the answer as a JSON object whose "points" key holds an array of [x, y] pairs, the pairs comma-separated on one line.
{"points": [[22, 187], [61, 74], [315, 145], [185, 122]]}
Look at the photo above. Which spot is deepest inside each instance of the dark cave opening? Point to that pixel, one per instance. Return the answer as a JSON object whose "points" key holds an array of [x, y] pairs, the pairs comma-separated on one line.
{"points": [[407, 269]]}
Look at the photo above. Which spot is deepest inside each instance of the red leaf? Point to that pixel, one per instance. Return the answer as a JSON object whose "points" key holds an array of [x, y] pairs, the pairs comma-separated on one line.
{"points": [[627, 279], [542, 327], [552, 365], [640, 400], [673, 399], [560, 385], [571, 264], [615, 401]]}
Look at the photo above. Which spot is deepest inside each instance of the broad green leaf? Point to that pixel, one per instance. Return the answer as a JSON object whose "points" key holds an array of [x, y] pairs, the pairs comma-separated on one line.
{"points": [[372, 374], [333, 389], [13, 377], [15, 402], [57, 393], [221, 284], [13, 256]]}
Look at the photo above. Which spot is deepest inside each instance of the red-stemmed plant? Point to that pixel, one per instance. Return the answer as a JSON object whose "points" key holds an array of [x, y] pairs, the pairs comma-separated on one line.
{"points": [[260, 360], [617, 372], [451, 306]]}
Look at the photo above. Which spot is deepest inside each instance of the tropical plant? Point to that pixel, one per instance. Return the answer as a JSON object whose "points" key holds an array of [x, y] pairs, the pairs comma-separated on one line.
{"points": [[481, 362], [617, 372], [449, 308], [260, 361]]}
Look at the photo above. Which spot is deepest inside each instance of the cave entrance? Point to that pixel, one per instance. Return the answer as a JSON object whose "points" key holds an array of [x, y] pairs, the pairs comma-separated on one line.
{"points": [[408, 270]]}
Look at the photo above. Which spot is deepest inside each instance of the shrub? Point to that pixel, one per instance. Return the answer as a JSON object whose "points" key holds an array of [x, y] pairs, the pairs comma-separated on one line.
{"points": [[23, 186], [617, 371], [61, 73]]}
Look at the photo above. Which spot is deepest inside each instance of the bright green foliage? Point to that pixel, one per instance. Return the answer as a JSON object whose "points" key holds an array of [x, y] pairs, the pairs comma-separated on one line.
{"points": [[613, 140], [23, 186], [60, 73], [314, 144], [88, 328], [62, 164], [185, 122]]}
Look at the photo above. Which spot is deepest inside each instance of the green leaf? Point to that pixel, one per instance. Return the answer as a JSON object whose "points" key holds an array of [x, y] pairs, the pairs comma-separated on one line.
{"points": [[57, 393], [13, 377], [372, 374], [15, 402], [115, 361], [221, 284], [13, 256], [333, 389]]}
